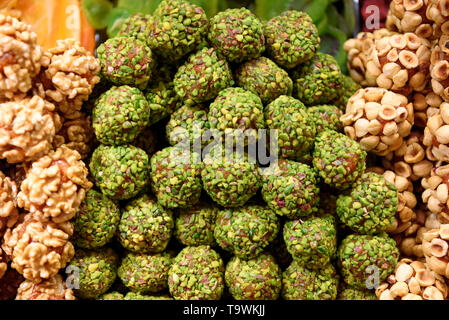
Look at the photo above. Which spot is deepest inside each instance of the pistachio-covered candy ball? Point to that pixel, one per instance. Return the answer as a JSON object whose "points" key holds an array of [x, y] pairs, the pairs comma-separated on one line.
{"points": [[202, 77], [300, 283], [237, 34], [96, 221], [176, 177], [290, 189], [136, 26], [295, 127], [318, 81], [339, 160], [138, 296], [326, 117], [195, 226], [258, 278], [196, 274], [266, 79], [361, 256], [143, 273], [114, 296], [311, 242], [371, 205], [121, 172], [247, 230], [120, 115], [145, 226], [348, 293], [97, 271], [126, 60], [187, 124], [348, 89], [291, 38]]}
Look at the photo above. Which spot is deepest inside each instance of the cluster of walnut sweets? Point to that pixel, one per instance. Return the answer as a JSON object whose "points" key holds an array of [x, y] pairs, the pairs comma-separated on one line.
{"points": [[44, 136], [402, 115]]}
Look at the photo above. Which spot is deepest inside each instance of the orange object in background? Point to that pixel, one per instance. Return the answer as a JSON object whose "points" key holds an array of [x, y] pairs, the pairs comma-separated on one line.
{"points": [[54, 20]]}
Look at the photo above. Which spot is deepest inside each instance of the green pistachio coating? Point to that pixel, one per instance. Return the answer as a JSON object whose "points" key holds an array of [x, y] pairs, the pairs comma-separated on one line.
{"points": [[236, 108], [318, 81], [176, 177], [195, 226], [230, 180], [371, 205], [137, 296], [97, 271], [120, 115], [247, 230], [143, 273], [237, 34], [176, 29], [258, 278], [349, 293], [145, 226], [290, 189], [112, 296], [196, 274], [266, 79], [299, 283], [340, 161], [188, 123], [361, 255], [96, 221], [292, 38], [147, 141], [202, 77], [126, 60], [121, 172], [348, 89], [163, 100], [136, 26], [295, 128], [311, 242], [326, 117]]}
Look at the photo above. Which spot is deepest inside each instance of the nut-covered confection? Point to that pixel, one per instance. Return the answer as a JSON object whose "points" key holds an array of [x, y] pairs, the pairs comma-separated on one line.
{"points": [[317, 81], [202, 77], [163, 100], [339, 160], [236, 109], [295, 127], [120, 115], [125, 60], [348, 89], [8, 205], [68, 77], [291, 189], [435, 248], [326, 117], [21, 56], [439, 65], [195, 226], [436, 193], [145, 272], [371, 205], [348, 293], [137, 296], [53, 288], [145, 226], [24, 140], [176, 29], [96, 221], [264, 78], [359, 256], [425, 104], [412, 280], [237, 34], [291, 38], [196, 274], [436, 135], [379, 119], [55, 185], [187, 124], [121, 172], [114, 296], [311, 242], [136, 26], [97, 270], [230, 179], [247, 230], [437, 11], [39, 249], [258, 278], [176, 177], [410, 16], [300, 283]]}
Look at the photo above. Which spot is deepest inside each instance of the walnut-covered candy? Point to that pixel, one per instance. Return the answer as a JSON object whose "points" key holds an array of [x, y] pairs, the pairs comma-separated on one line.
{"points": [[436, 135], [435, 247], [39, 249], [379, 119], [55, 185], [8, 204], [19, 57], [52, 289], [27, 129]]}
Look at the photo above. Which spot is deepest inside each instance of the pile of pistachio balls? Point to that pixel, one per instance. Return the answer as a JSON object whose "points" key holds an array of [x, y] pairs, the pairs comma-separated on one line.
{"points": [[161, 223]]}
